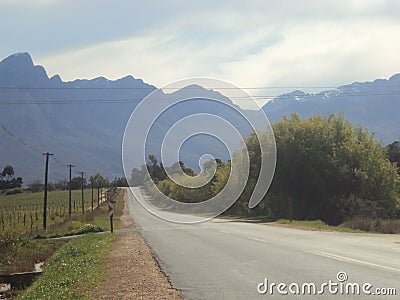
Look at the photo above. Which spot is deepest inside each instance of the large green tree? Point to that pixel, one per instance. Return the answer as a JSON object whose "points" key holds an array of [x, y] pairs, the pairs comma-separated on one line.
{"points": [[7, 179], [393, 150], [8, 171], [327, 169]]}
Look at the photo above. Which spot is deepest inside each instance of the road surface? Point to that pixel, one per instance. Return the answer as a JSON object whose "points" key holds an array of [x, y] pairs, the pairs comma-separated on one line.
{"points": [[223, 259]]}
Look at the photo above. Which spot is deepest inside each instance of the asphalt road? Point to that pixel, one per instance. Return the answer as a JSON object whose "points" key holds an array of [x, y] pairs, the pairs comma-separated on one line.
{"points": [[223, 259]]}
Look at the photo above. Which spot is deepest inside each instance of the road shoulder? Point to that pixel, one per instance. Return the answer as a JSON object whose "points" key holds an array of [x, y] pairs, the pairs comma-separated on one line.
{"points": [[131, 272]]}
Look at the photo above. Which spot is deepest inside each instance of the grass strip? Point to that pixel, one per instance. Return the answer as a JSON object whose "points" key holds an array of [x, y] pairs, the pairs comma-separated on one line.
{"points": [[316, 225], [75, 267]]}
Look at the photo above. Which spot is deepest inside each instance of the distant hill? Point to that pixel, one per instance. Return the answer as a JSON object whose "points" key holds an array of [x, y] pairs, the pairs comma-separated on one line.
{"points": [[69, 125], [83, 121], [375, 105]]}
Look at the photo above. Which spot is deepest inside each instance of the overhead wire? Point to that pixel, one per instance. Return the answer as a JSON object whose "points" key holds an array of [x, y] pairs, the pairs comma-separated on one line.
{"points": [[162, 88], [19, 140], [28, 145], [236, 98]]}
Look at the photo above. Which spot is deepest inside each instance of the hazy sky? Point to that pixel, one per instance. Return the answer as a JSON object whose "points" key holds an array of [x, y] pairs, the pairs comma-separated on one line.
{"points": [[249, 43]]}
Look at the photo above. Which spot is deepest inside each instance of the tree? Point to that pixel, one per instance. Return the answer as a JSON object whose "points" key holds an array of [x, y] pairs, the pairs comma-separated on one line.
{"points": [[10, 181], [36, 186], [76, 183], [120, 182], [156, 171], [326, 169], [8, 172], [99, 179], [393, 151], [329, 170], [137, 177]]}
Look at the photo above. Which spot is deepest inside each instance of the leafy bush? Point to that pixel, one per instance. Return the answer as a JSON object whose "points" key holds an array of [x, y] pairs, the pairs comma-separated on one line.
{"points": [[361, 223], [89, 228], [332, 171], [390, 226]]}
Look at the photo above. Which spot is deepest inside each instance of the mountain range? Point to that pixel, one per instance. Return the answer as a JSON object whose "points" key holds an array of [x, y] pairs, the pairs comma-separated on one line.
{"points": [[83, 121]]}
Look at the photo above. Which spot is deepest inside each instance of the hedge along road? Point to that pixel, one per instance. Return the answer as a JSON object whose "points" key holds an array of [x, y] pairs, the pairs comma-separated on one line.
{"points": [[224, 259]]}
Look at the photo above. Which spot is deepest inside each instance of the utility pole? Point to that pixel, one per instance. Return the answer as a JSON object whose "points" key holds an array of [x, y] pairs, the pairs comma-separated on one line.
{"points": [[83, 203], [91, 182], [108, 186], [98, 194], [70, 192], [46, 175], [101, 191]]}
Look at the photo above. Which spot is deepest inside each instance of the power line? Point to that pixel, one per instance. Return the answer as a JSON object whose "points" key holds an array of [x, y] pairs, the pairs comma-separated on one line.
{"points": [[19, 140], [29, 146], [237, 98], [58, 162], [164, 88]]}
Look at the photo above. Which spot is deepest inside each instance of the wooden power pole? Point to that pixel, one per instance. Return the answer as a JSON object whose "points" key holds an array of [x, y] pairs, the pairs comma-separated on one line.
{"points": [[83, 202], [98, 194], [69, 188], [46, 175], [91, 182]]}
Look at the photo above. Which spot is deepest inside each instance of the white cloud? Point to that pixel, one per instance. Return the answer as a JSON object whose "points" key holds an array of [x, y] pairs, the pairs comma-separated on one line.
{"points": [[286, 43], [327, 54]]}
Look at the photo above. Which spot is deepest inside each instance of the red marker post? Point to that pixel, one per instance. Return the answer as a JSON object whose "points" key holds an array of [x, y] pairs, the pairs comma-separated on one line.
{"points": [[111, 213]]}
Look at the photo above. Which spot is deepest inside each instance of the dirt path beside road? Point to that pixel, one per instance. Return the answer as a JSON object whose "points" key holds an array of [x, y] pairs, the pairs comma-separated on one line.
{"points": [[131, 270]]}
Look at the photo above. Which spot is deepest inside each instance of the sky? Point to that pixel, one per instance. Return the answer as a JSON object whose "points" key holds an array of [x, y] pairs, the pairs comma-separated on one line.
{"points": [[278, 45]]}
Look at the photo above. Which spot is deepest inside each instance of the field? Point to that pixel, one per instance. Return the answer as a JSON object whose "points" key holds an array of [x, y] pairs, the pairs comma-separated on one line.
{"points": [[23, 213], [80, 258]]}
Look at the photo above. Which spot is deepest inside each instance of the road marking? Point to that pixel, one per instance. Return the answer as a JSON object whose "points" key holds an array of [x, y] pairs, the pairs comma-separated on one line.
{"points": [[258, 240], [223, 231], [344, 258]]}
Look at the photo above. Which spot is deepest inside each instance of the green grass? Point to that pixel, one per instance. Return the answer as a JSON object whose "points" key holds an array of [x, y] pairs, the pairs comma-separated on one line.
{"points": [[14, 243], [92, 221], [87, 228], [74, 268], [316, 224], [356, 225]]}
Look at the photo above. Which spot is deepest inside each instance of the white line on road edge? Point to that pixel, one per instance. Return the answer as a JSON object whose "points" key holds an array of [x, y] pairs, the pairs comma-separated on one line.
{"points": [[223, 231], [258, 240], [343, 258]]}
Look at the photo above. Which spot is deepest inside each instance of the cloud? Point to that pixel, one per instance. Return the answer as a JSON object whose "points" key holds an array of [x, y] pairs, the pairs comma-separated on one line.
{"points": [[326, 54], [264, 43]]}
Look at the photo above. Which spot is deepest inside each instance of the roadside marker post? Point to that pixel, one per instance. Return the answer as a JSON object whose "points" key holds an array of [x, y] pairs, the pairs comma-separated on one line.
{"points": [[111, 213]]}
